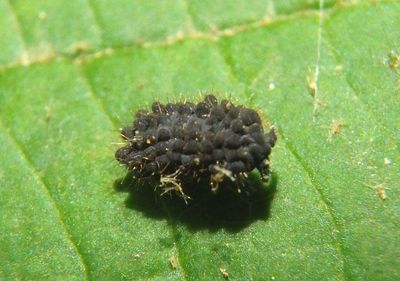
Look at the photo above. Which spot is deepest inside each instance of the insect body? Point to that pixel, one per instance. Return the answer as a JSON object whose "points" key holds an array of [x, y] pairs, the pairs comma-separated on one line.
{"points": [[210, 139]]}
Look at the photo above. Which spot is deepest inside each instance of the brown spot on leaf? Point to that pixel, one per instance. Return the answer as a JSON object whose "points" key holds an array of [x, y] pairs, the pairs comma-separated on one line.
{"points": [[224, 272], [335, 128], [173, 262]]}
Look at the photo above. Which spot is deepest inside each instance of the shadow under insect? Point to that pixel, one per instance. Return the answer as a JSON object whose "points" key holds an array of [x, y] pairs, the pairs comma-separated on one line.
{"points": [[205, 210]]}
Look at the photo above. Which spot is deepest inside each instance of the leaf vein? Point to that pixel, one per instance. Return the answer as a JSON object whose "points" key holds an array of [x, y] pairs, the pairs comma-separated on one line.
{"points": [[24, 56], [316, 185], [168, 41], [367, 107], [186, 7], [98, 102], [171, 40], [31, 166], [172, 228], [318, 55], [270, 9], [96, 19]]}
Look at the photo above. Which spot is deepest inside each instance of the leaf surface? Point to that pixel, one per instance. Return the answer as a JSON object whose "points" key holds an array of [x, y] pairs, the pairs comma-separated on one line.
{"points": [[324, 73]]}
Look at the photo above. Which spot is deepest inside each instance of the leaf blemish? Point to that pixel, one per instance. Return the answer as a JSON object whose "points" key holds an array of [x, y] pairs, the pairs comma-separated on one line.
{"points": [[381, 190], [335, 128], [224, 272], [136, 256], [312, 86], [49, 112], [338, 68], [393, 59], [79, 49], [173, 262], [42, 15], [271, 86], [387, 161]]}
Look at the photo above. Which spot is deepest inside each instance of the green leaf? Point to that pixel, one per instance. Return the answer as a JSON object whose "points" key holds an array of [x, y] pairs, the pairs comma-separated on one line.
{"points": [[326, 74]]}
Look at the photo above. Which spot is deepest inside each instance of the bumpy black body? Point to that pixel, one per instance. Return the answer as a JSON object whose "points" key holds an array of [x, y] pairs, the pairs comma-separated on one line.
{"points": [[206, 140]]}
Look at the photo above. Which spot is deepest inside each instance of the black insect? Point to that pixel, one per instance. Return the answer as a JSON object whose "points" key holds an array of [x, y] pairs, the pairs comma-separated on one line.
{"points": [[184, 141]]}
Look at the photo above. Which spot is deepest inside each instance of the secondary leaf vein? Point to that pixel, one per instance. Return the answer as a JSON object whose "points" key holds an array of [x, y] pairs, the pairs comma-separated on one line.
{"points": [[101, 108], [99, 30], [368, 108], [172, 228], [318, 55], [24, 56], [31, 166], [316, 185], [186, 7]]}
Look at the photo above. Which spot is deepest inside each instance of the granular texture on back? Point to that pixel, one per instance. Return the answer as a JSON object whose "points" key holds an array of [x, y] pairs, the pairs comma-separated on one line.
{"points": [[209, 140]]}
